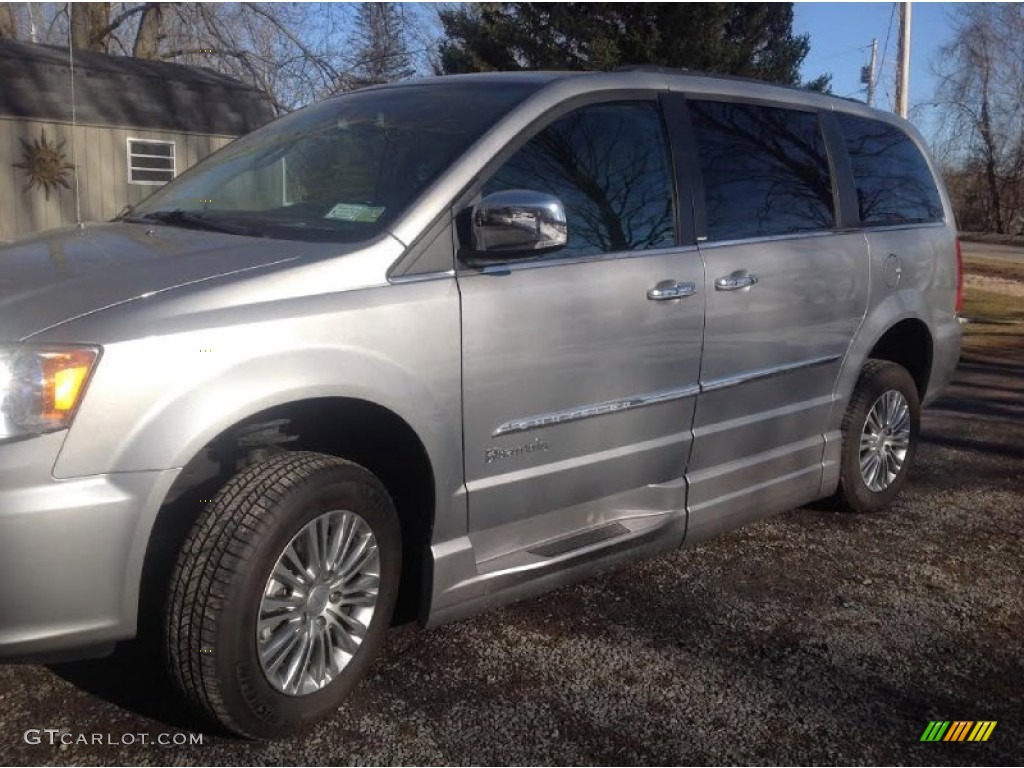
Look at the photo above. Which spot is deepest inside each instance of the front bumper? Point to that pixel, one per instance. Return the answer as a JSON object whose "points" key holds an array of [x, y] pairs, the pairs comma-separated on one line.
{"points": [[71, 551]]}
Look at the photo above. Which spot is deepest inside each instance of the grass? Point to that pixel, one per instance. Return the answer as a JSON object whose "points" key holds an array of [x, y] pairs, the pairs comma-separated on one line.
{"points": [[1007, 270], [997, 318], [992, 307]]}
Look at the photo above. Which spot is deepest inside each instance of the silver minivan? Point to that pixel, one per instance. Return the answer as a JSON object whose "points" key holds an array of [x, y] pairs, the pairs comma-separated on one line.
{"points": [[423, 349]]}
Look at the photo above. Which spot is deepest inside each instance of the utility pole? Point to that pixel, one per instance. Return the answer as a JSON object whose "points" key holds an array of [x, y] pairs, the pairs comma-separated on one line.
{"points": [[903, 73], [867, 74]]}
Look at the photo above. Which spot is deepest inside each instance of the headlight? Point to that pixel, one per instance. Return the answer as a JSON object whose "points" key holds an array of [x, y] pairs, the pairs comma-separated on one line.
{"points": [[41, 386]]}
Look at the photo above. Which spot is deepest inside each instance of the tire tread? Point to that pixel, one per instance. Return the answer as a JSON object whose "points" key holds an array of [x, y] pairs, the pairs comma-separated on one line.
{"points": [[213, 556], [875, 372]]}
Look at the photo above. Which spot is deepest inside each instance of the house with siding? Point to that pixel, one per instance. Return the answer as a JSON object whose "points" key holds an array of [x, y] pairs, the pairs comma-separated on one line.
{"points": [[136, 125]]}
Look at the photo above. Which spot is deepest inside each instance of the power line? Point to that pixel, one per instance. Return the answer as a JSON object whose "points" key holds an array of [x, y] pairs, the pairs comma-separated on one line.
{"points": [[847, 52]]}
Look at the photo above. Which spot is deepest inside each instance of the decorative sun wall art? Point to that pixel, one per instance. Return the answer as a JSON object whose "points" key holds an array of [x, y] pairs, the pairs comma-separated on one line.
{"points": [[45, 165]]}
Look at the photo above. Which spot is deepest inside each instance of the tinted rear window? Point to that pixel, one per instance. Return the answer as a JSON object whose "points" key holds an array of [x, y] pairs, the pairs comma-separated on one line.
{"points": [[765, 170], [894, 185]]}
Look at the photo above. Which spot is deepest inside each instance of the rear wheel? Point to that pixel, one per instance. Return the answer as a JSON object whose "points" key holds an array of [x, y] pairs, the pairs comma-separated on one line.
{"points": [[880, 435], [283, 592]]}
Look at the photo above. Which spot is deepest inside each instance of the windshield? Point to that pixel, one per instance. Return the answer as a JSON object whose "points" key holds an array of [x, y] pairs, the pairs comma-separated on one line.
{"points": [[340, 170]]}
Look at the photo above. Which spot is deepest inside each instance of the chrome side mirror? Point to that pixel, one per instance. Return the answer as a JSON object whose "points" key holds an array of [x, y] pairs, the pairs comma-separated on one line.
{"points": [[518, 222]]}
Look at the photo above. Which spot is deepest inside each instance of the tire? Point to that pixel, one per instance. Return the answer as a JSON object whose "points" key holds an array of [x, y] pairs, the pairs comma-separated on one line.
{"points": [[862, 490], [214, 651]]}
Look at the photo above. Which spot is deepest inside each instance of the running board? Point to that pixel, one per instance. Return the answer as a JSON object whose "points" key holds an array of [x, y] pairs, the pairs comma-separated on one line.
{"points": [[460, 589], [579, 540]]}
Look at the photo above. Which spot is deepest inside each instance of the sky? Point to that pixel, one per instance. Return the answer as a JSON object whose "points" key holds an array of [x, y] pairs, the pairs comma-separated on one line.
{"points": [[841, 36]]}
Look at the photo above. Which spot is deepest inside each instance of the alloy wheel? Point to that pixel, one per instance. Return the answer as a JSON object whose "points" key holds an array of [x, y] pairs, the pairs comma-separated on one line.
{"points": [[885, 440], [318, 603]]}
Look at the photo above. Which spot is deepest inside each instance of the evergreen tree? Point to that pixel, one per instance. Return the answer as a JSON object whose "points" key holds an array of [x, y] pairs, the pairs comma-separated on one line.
{"points": [[380, 51], [748, 39]]}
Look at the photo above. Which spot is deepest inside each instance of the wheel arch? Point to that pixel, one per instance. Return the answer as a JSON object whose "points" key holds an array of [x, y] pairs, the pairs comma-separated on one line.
{"points": [[356, 429], [894, 330], [907, 342]]}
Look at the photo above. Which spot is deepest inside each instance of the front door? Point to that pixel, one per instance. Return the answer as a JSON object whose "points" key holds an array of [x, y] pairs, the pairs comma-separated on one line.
{"points": [[579, 377]]}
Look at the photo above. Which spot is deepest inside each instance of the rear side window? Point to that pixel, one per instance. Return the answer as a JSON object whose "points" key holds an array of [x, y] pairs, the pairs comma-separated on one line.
{"points": [[765, 170], [894, 185], [608, 164]]}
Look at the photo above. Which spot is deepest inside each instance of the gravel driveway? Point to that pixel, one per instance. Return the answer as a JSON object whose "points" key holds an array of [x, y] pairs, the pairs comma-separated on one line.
{"points": [[810, 638]]}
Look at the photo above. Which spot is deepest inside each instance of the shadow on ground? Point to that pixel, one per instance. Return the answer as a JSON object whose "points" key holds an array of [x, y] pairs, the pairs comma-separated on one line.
{"points": [[134, 679]]}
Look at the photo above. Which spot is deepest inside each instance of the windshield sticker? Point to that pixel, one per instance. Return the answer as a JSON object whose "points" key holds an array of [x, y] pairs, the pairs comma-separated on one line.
{"points": [[354, 212]]}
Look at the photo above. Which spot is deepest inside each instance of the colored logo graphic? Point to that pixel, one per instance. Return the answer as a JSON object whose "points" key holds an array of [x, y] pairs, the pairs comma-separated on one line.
{"points": [[958, 730]]}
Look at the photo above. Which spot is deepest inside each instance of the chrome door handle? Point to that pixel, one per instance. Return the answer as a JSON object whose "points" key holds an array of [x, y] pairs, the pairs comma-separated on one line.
{"points": [[667, 290], [736, 281]]}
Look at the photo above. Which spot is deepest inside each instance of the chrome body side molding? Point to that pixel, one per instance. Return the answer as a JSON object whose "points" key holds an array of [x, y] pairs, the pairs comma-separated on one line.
{"points": [[597, 409], [766, 373], [650, 398]]}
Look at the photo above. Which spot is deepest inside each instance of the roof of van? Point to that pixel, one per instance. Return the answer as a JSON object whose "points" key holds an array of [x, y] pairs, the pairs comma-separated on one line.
{"points": [[689, 79], [701, 81], [125, 91]]}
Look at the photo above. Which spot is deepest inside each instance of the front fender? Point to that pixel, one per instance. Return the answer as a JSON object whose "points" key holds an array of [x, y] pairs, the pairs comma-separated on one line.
{"points": [[176, 428], [155, 402]]}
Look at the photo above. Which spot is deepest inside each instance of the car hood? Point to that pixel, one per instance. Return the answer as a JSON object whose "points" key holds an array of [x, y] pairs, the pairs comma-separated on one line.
{"points": [[53, 277]]}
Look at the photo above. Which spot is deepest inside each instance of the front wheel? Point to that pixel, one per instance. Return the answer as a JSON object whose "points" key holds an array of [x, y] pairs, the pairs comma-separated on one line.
{"points": [[283, 592], [880, 435]]}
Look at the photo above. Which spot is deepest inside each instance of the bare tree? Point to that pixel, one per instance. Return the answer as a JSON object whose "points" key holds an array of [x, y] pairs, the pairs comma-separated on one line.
{"points": [[294, 52], [7, 29], [90, 26], [38, 22], [97, 27], [981, 97], [150, 32], [291, 51]]}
